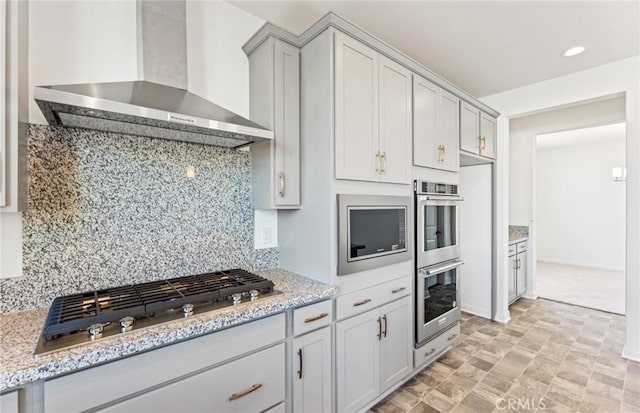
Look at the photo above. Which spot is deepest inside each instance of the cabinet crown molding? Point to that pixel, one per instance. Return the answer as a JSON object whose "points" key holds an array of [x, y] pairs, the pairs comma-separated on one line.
{"points": [[345, 26]]}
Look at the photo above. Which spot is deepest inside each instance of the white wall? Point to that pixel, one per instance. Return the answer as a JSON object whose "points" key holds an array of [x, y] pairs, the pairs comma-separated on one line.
{"points": [[613, 78], [476, 239], [580, 210], [96, 41]]}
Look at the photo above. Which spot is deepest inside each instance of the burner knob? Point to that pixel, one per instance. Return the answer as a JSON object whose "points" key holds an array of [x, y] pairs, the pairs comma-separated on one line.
{"points": [[236, 298], [95, 330], [126, 324], [187, 309], [253, 294]]}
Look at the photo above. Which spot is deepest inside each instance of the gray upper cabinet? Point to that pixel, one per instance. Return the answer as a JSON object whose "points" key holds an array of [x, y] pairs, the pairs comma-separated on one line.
{"points": [[372, 115], [14, 106], [436, 130], [477, 131], [274, 82]]}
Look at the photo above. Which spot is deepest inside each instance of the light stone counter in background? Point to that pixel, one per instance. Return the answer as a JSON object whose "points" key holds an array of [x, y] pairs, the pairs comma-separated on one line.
{"points": [[518, 233], [20, 332]]}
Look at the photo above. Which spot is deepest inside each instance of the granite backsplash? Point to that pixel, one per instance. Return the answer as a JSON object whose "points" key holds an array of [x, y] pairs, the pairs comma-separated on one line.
{"points": [[107, 209]]}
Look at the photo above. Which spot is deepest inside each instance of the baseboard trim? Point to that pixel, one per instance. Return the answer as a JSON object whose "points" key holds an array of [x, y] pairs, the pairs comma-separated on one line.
{"points": [[502, 318], [631, 353], [477, 312], [577, 264]]}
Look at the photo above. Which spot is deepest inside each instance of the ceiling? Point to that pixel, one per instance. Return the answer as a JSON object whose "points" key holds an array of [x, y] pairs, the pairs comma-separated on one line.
{"points": [[482, 47], [598, 134]]}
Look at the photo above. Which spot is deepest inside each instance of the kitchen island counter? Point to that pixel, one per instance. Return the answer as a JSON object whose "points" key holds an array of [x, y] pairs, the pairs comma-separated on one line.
{"points": [[21, 331]]}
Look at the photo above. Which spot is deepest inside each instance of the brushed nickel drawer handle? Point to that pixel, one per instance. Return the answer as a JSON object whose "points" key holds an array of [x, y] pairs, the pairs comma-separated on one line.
{"points": [[281, 176], [397, 290], [312, 319], [236, 396], [452, 336], [363, 302], [430, 352]]}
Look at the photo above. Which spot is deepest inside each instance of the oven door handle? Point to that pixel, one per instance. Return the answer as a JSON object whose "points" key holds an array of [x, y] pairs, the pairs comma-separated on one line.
{"points": [[448, 199], [442, 268]]}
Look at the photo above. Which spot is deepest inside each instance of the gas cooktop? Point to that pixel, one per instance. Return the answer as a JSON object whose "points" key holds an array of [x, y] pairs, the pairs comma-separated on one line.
{"points": [[85, 317]]}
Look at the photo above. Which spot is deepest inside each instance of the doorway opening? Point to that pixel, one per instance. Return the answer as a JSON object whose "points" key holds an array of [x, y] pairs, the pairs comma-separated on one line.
{"points": [[580, 217]]}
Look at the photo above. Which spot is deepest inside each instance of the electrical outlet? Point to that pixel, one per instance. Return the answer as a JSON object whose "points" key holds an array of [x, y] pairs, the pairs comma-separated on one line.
{"points": [[267, 237]]}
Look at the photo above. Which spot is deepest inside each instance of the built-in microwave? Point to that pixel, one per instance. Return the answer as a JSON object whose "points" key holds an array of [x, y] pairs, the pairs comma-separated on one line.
{"points": [[373, 231]]}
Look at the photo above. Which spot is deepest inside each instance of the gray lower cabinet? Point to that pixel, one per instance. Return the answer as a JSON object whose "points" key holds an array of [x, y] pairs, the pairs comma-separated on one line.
{"points": [[312, 372], [9, 402], [237, 369], [251, 384], [517, 270], [373, 352]]}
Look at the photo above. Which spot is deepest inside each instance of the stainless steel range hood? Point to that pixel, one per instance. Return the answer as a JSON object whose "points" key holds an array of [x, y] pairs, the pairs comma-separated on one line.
{"points": [[158, 106]]}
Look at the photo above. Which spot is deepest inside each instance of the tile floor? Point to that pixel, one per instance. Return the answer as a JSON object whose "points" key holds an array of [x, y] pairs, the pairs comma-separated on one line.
{"points": [[582, 286], [551, 357]]}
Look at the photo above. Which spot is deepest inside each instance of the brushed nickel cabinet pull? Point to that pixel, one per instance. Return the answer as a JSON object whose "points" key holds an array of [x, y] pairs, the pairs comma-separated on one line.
{"points": [[379, 329], [316, 318], [378, 161], [384, 332], [444, 153], [452, 336], [300, 358], [363, 302], [236, 396], [384, 162], [397, 290], [281, 176], [430, 352]]}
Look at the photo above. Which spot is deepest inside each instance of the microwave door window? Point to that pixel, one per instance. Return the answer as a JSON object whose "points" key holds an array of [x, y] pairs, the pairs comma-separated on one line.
{"points": [[439, 295], [376, 231]]}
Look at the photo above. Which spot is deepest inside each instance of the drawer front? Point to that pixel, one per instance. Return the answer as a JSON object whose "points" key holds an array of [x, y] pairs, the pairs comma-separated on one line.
{"points": [[251, 384], [436, 347], [372, 297], [311, 317], [522, 246], [512, 249], [281, 408], [77, 390]]}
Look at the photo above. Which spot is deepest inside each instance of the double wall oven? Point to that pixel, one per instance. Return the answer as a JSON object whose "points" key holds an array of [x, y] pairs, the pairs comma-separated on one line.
{"points": [[437, 258]]}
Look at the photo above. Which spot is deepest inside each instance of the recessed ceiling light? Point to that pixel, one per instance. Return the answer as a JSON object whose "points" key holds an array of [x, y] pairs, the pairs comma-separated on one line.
{"points": [[574, 51]]}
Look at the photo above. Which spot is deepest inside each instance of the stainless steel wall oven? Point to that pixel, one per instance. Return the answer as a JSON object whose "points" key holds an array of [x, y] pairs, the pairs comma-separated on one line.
{"points": [[437, 259]]}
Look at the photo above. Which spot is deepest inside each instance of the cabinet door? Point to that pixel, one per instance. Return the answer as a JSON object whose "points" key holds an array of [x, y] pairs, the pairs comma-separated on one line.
{"points": [[469, 128], [395, 122], [9, 401], [356, 110], [512, 277], [312, 372], [287, 124], [521, 279], [395, 350], [425, 119], [488, 134], [250, 384], [357, 361], [449, 130]]}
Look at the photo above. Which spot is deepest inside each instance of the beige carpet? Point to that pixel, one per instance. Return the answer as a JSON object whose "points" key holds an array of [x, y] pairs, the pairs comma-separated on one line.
{"points": [[587, 287]]}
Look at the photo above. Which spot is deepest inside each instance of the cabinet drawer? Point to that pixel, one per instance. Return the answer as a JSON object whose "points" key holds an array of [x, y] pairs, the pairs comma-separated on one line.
{"points": [[250, 384], [436, 347], [312, 317], [281, 408], [372, 297], [522, 246], [512, 249], [77, 391]]}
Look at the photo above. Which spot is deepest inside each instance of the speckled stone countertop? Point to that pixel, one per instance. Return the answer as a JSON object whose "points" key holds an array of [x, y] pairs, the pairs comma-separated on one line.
{"points": [[19, 332], [518, 234]]}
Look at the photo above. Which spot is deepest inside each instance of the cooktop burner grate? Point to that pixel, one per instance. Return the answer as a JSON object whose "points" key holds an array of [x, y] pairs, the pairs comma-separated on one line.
{"points": [[75, 312]]}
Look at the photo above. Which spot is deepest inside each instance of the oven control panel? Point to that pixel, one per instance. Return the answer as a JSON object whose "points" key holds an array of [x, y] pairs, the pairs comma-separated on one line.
{"points": [[424, 187]]}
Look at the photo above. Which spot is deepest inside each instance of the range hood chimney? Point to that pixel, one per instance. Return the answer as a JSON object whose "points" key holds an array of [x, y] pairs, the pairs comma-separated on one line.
{"points": [[158, 105]]}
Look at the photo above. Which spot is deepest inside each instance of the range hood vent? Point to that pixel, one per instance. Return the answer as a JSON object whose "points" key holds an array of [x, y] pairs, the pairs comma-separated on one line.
{"points": [[158, 106]]}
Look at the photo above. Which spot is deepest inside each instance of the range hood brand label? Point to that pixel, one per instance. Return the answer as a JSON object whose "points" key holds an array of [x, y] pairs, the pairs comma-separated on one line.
{"points": [[175, 117]]}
